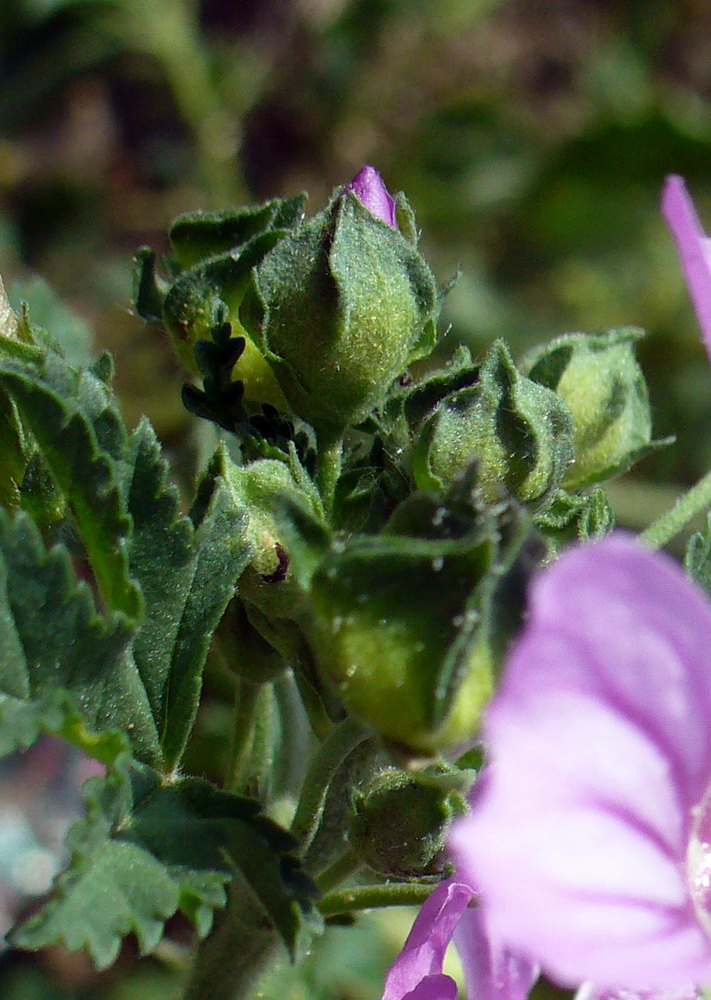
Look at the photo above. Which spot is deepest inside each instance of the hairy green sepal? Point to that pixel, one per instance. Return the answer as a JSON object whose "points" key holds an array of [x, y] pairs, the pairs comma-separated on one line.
{"points": [[339, 308], [519, 433]]}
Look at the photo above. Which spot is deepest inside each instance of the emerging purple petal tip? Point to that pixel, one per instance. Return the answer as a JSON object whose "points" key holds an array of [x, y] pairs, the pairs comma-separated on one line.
{"points": [[694, 248], [368, 187]]}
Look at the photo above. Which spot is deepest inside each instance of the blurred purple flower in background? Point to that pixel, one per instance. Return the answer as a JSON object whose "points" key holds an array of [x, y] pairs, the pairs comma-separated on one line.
{"points": [[368, 187], [694, 249], [590, 840]]}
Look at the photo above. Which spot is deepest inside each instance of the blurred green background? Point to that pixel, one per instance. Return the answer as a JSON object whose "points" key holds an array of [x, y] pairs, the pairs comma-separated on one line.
{"points": [[532, 139]]}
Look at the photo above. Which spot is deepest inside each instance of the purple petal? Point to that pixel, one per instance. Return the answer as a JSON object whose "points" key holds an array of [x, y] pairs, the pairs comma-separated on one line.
{"points": [[427, 942], [491, 973], [694, 249], [368, 187], [599, 745], [434, 988]]}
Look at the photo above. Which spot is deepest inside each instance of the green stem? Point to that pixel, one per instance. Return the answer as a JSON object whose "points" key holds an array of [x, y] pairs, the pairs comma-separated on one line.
{"points": [[696, 501], [261, 759], [294, 742], [344, 738], [347, 864], [244, 727], [370, 897], [330, 455], [231, 959]]}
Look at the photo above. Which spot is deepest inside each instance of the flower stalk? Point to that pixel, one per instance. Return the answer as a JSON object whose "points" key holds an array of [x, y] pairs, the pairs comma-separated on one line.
{"points": [[696, 501], [341, 741]]}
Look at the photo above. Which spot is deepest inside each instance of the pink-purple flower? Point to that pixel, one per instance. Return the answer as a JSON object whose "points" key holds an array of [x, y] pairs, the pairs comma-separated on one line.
{"points": [[694, 249], [590, 838], [368, 187]]}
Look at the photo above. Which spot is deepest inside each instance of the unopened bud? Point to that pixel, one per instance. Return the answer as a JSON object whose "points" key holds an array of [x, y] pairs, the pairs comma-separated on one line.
{"points": [[340, 307], [600, 381], [519, 433], [267, 582], [400, 821]]}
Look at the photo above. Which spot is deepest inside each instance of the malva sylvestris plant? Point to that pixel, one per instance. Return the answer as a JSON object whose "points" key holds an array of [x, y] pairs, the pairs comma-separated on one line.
{"points": [[446, 685]]}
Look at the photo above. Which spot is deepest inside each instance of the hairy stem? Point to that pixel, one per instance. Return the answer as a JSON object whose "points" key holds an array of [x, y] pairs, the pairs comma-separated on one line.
{"points": [[243, 733], [344, 738], [370, 897], [237, 951], [696, 501], [330, 455], [347, 864]]}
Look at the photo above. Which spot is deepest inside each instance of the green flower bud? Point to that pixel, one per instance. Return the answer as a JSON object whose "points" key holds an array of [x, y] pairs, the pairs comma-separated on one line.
{"points": [[599, 379], [400, 821], [399, 625], [519, 432], [339, 308], [408, 627], [268, 582]]}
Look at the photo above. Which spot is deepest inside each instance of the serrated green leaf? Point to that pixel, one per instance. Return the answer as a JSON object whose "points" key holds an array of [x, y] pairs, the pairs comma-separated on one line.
{"points": [[20, 724], [160, 557], [187, 574], [22, 721], [39, 495], [79, 433], [202, 834], [221, 553], [148, 848], [53, 640], [134, 891], [154, 566], [196, 236]]}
